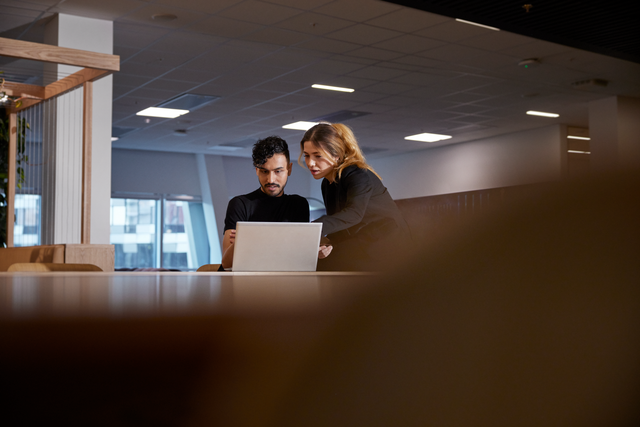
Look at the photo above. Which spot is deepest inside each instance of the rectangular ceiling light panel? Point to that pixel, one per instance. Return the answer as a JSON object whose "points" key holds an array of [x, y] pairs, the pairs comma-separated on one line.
{"points": [[336, 88], [542, 114], [300, 125], [427, 137], [165, 113]]}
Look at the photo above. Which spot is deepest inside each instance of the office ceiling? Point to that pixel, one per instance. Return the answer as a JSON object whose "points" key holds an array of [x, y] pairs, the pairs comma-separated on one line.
{"points": [[413, 70]]}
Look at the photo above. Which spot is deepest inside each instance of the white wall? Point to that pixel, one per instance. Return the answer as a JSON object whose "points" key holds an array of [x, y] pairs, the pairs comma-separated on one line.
{"points": [[514, 159], [158, 172]]}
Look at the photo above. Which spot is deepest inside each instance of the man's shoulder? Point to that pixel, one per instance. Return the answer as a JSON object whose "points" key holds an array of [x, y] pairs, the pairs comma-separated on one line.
{"points": [[247, 197], [296, 198]]}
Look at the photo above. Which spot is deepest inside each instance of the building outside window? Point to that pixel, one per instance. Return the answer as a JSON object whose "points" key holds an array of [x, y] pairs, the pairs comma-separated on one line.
{"points": [[158, 233], [26, 230]]}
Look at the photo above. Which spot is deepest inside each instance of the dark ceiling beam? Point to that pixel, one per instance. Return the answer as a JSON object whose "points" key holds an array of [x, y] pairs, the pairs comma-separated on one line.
{"points": [[608, 28]]}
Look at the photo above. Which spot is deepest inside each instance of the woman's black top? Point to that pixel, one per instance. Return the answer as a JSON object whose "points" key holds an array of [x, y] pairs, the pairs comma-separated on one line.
{"points": [[359, 210]]}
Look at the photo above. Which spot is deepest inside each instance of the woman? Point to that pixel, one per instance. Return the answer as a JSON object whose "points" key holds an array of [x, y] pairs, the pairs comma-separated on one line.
{"points": [[363, 225]]}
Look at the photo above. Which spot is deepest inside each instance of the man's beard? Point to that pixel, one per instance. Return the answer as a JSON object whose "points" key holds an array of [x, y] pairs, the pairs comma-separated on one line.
{"points": [[270, 191]]}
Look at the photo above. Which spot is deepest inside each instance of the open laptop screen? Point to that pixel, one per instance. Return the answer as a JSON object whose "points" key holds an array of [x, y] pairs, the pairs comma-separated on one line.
{"points": [[276, 246]]}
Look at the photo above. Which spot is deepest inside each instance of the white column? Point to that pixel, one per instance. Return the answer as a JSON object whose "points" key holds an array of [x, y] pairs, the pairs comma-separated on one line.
{"points": [[61, 195], [614, 127], [213, 187]]}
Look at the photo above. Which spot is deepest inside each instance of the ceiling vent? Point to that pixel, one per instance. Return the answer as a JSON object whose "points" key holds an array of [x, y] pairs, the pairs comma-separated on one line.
{"points": [[340, 116], [188, 101], [583, 84]]}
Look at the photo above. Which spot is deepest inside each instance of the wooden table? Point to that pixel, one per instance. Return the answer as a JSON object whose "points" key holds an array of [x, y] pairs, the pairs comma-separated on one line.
{"points": [[160, 348]]}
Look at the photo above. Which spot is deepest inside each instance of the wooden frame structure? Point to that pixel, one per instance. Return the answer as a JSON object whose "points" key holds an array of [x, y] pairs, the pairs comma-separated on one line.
{"points": [[95, 66]]}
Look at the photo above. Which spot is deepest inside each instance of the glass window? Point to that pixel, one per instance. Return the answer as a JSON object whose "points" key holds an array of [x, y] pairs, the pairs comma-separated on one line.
{"points": [[181, 244], [26, 230], [185, 243], [133, 232]]}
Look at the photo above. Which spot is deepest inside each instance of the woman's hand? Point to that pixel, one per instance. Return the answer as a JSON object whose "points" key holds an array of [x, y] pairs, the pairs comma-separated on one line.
{"points": [[325, 248], [324, 251]]}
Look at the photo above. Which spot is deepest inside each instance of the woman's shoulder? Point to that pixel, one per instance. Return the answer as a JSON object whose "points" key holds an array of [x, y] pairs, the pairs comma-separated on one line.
{"points": [[354, 171]]}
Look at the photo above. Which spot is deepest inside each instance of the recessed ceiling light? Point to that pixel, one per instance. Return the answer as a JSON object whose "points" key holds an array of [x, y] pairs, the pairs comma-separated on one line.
{"points": [[478, 25], [114, 138], [542, 114], [336, 88], [582, 138], [427, 137], [300, 125], [165, 113]]}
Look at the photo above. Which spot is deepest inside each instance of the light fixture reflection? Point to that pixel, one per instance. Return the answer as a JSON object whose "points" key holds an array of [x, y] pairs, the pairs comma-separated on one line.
{"points": [[427, 137], [478, 25], [300, 125], [336, 88], [165, 113], [542, 114]]}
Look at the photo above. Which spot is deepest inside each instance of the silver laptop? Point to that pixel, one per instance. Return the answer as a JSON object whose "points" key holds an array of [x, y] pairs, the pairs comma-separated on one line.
{"points": [[276, 246]]}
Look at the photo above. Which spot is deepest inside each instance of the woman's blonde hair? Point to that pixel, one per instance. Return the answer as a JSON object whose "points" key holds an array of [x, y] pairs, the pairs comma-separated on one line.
{"points": [[336, 141]]}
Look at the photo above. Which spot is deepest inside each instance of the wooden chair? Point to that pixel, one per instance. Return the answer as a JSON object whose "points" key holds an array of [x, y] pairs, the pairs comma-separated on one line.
{"points": [[209, 267], [50, 266]]}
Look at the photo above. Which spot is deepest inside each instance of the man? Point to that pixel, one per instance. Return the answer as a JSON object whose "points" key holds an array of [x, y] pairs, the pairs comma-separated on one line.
{"points": [[267, 203]]}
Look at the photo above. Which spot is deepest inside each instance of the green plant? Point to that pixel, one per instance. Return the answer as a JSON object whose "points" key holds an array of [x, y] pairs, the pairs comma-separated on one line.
{"points": [[21, 157]]}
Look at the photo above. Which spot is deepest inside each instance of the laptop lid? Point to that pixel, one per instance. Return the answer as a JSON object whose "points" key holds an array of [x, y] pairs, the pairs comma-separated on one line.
{"points": [[276, 246]]}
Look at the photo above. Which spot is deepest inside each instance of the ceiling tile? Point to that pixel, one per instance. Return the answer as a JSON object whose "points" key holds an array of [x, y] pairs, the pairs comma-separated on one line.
{"points": [[357, 10], [377, 73], [277, 36], [187, 43], [407, 20], [364, 34], [451, 53], [205, 6], [145, 15], [314, 23], [257, 12], [306, 4], [224, 27], [328, 45], [132, 35], [98, 9], [408, 44], [453, 31]]}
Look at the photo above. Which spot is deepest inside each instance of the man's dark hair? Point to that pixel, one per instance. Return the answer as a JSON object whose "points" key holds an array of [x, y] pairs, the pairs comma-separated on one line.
{"points": [[265, 148]]}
